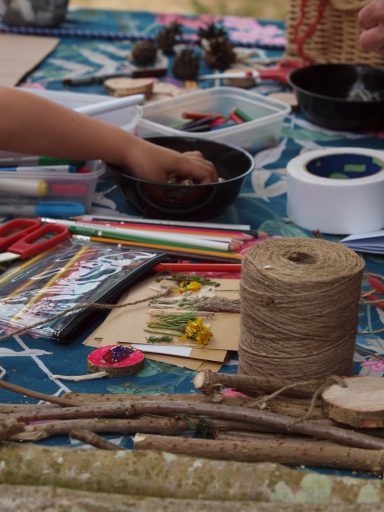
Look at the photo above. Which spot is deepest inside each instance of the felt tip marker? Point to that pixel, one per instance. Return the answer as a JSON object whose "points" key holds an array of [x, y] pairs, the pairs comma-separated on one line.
{"points": [[25, 187], [100, 78], [56, 209], [38, 160], [37, 168]]}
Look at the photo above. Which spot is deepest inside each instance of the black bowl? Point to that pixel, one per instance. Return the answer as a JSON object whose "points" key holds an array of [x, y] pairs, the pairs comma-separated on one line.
{"points": [[345, 97], [189, 202]]}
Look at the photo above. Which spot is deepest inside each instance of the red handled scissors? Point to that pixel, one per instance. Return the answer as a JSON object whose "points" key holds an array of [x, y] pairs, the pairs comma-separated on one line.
{"points": [[23, 238]]}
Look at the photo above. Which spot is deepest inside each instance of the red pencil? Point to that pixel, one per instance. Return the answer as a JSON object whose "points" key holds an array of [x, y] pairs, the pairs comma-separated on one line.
{"points": [[197, 267], [201, 115]]}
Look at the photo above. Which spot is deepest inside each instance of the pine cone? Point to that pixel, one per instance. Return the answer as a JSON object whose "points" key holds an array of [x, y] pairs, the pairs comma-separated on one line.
{"points": [[167, 37], [186, 65], [212, 31], [220, 54], [144, 52]]}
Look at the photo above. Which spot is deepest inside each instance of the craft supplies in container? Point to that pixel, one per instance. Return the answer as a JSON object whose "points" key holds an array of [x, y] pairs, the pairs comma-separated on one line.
{"points": [[62, 189], [54, 295], [190, 201], [261, 130]]}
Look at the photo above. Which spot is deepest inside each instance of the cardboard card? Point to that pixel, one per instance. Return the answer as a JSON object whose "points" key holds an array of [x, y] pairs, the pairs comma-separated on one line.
{"points": [[185, 362], [204, 353], [127, 325], [19, 55]]}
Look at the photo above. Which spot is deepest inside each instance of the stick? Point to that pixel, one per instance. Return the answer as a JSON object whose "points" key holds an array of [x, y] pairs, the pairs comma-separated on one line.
{"points": [[240, 414], [12, 408], [35, 394], [283, 451], [88, 398], [264, 418], [10, 427], [32, 498], [145, 424], [150, 473], [92, 411], [93, 439], [295, 407], [253, 386]]}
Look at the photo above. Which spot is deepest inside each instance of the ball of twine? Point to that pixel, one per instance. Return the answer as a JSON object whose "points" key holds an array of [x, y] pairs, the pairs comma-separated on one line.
{"points": [[299, 309]]}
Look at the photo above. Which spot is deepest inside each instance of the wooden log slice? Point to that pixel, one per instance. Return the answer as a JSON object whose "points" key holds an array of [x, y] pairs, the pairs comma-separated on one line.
{"points": [[360, 403], [121, 86], [116, 360]]}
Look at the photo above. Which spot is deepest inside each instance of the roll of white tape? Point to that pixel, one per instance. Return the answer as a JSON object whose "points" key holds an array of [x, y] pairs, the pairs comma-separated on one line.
{"points": [[337, 190]]}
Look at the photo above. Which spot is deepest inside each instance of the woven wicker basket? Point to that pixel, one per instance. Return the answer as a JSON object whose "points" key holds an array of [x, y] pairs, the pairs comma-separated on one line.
{"points": [[326, 31]]}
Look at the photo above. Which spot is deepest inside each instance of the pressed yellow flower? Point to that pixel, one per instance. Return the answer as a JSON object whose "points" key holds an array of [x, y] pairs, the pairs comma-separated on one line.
{"points": [[193, 327], [193, 286], [196, 330], [204, 335]]}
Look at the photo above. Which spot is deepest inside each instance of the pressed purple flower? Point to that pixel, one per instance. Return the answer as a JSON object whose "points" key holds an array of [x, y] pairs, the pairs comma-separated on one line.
{"points": [[117, 354]]}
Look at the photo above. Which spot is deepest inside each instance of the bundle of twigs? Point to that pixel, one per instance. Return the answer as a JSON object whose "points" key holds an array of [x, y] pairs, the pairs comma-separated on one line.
{"points": [[231, 428]]}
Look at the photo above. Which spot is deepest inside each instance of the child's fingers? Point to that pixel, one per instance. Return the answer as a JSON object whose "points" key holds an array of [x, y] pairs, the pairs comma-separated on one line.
{"points": [[371, 15], [372, 40], [197, 168]]}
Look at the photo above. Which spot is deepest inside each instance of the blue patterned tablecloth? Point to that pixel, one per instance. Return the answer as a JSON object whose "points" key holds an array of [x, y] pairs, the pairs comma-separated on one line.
{"points": [[262, 202]]}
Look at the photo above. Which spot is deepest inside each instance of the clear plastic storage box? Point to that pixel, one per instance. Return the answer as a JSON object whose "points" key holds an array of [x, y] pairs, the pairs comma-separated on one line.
{"points": [[264, 130], [124, 117], [49, 192]]}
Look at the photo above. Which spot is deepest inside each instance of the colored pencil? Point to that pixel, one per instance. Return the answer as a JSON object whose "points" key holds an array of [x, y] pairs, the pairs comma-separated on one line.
{"points": [[204, 225], [42, 292], [8, 276], [197, 267], [135, 236], [166, 248], [212, 234]]}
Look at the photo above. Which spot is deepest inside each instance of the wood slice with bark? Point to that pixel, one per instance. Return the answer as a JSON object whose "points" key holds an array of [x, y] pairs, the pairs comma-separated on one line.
{"points": [[359, 404]]}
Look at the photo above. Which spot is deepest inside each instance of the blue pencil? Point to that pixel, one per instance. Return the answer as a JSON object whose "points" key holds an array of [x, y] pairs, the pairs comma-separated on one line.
{"points": [[38, 160], [38, 168]]}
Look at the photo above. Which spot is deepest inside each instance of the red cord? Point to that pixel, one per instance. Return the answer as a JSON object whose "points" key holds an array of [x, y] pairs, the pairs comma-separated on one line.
{"points": [[300, 41]]}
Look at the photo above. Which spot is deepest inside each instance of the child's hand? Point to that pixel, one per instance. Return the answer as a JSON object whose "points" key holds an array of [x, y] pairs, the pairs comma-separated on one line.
{"points": [[371, 19], [161, 164]]}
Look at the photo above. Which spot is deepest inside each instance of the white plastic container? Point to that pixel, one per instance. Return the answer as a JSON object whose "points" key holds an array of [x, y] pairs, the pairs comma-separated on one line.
{"points": [[126, 118], [39, 187], [263, 131]]}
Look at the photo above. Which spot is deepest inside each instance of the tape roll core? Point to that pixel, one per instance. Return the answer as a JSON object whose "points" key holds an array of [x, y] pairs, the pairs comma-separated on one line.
{"points": [[337, 190]]}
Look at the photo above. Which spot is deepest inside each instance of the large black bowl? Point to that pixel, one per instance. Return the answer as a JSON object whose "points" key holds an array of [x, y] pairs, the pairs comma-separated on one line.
{"points": [[341, 96], [189, 202]]}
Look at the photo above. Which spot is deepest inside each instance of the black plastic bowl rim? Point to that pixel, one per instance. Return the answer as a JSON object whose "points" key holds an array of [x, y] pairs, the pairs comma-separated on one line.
{"points": [[296, 75], [197, 140]]}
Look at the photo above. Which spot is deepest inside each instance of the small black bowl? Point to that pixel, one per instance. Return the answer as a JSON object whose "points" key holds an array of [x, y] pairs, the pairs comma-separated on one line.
{"points": [[189, 202], [345, 97]]}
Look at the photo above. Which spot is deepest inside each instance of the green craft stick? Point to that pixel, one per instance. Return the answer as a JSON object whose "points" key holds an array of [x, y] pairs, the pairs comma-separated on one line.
{"points": [[378, 162], [338, 176], [245, 117], [355, 168]]}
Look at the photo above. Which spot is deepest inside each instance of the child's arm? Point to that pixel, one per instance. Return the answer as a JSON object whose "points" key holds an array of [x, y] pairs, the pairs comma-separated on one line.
{"points": [[371, 19], [33, 125]]}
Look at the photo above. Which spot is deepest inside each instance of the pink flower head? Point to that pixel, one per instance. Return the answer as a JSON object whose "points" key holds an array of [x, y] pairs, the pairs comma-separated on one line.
{"points": [[376, 365]]}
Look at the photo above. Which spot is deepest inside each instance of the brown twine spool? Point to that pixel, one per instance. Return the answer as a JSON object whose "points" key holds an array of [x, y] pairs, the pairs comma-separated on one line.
{"points": [[299, 309]]}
